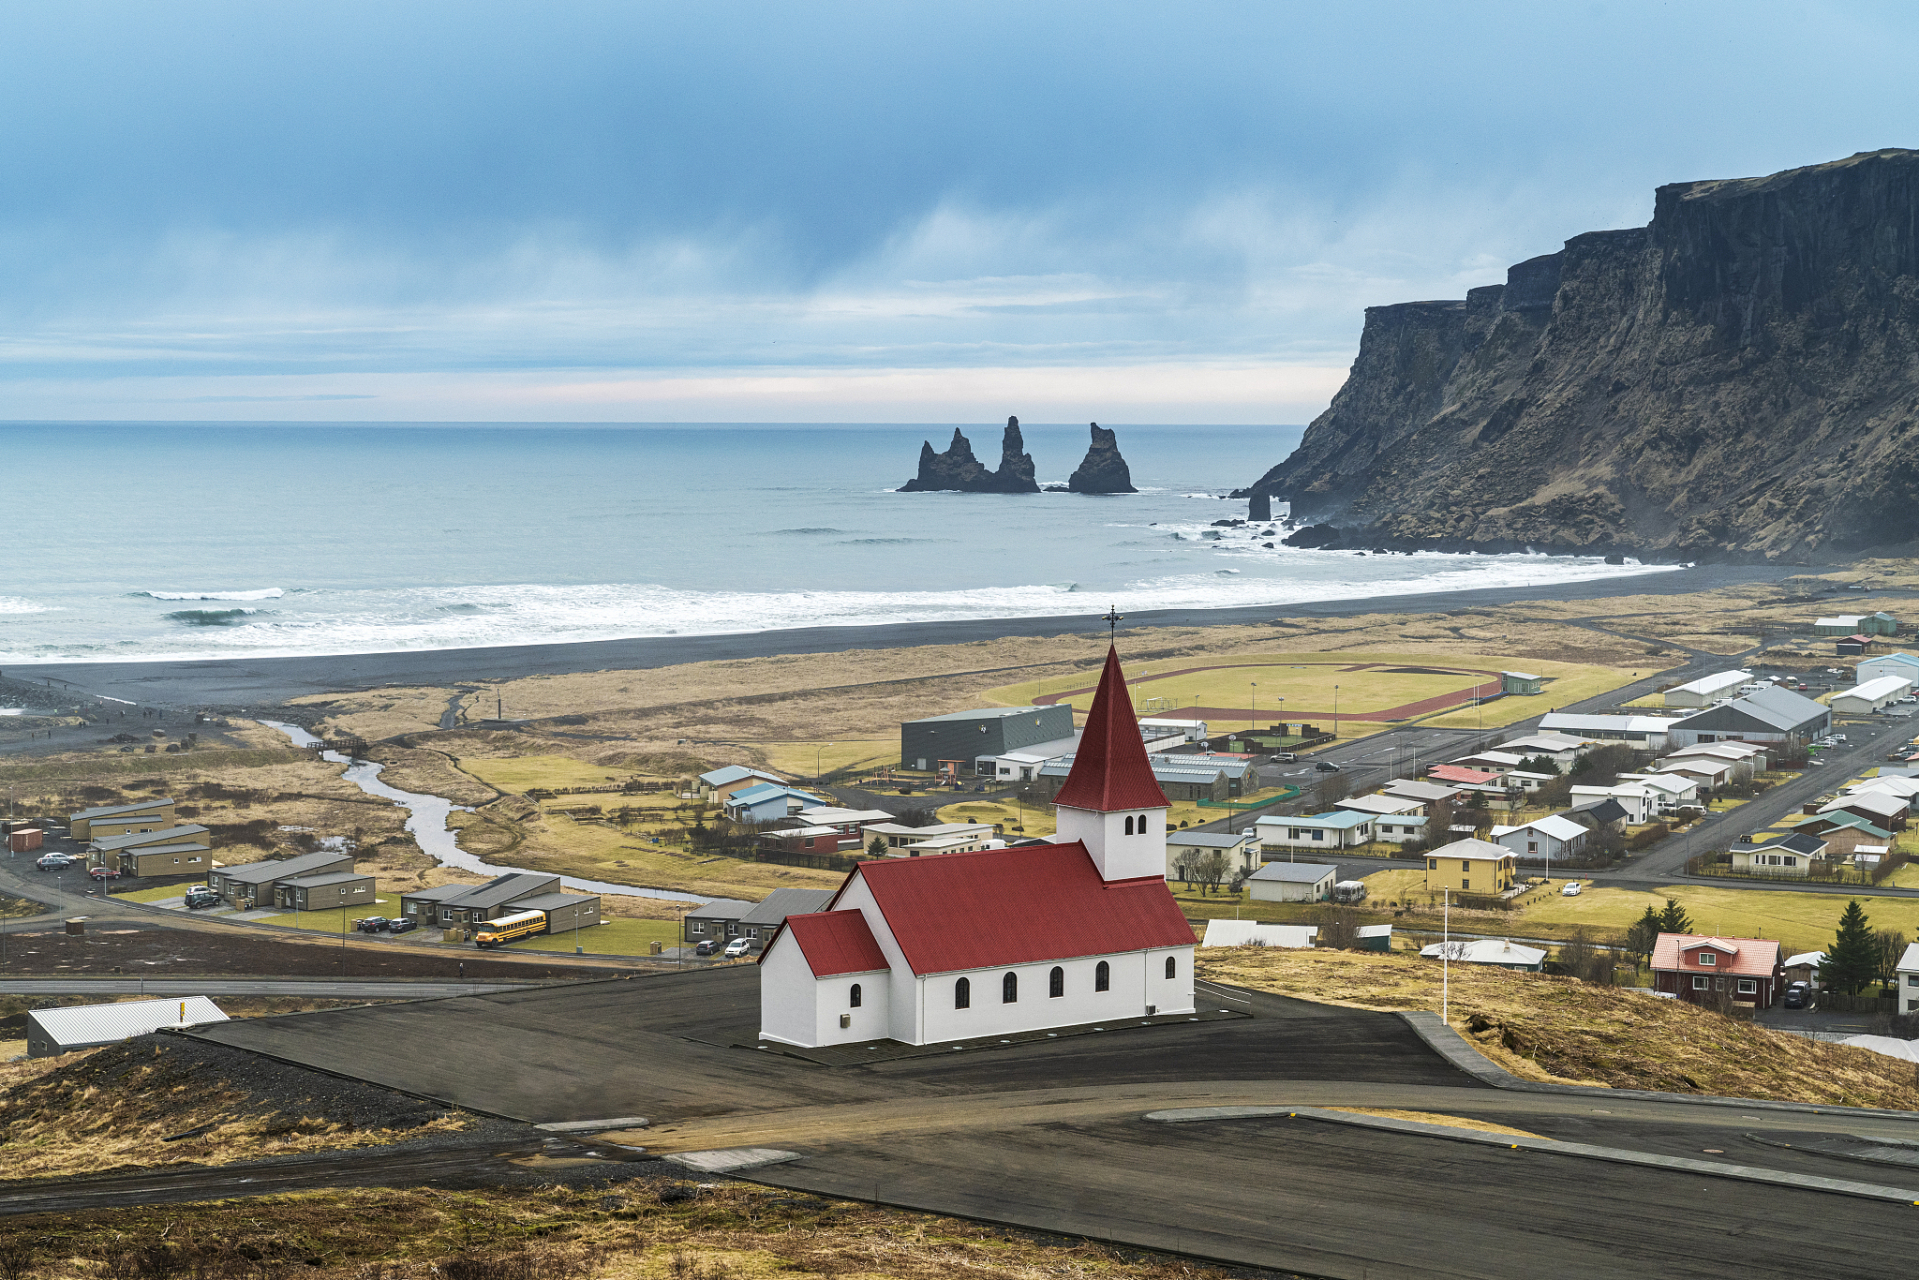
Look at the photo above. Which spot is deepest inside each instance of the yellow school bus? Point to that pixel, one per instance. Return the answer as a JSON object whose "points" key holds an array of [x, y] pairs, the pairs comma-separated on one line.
{"points": [[522, 924]]}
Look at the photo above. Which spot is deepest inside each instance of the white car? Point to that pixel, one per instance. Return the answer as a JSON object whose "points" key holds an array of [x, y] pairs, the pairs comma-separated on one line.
{"points": [[1571, 890], [738, 947]]}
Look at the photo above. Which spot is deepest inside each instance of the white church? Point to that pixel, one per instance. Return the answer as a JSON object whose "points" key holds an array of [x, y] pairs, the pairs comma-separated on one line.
{"points": [[966, 945]]}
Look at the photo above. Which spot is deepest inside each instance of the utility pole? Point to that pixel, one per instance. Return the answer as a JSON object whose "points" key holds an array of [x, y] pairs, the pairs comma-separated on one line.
{"points": [[1445, 952]]}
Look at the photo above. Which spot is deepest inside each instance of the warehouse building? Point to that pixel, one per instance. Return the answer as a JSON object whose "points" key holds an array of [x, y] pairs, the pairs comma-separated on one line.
{"points": [[253, 883], [119, 819], [324, 892], [1890, 664], [1648, 733], [956, 742], [1873, 695], [167, 851], [87, 1026], [1706, 690], [1770, 715]]}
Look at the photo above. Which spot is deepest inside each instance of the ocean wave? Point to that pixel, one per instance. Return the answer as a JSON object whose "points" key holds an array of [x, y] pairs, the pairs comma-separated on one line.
{"points": [[886, 542], [15, 604], [213, 617], [777, 532], [262, 593]]}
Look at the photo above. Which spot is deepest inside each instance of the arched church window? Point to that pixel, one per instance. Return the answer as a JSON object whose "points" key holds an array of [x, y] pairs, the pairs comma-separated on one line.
{"points": [[853, 999], [1103, 977], [1129, 824], [1009, 989], [1142, 824], [1171, 968], [963, 994], [1056, 983]]}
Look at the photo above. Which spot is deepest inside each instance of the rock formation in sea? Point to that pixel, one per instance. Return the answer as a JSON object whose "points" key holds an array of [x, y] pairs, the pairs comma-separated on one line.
{"points": [[958, 469], [1735, 380], [1102, 470]]}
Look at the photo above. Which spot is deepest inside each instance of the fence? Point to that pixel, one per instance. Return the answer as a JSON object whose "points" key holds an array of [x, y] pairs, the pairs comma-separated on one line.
{"points": [[1719, 866], [626, 788], [1839, 1002]]}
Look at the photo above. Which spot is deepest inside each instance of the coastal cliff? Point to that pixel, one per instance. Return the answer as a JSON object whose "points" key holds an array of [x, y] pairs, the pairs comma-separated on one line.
{"points": [[958, 469], [1739, 379], [1102, 470]]}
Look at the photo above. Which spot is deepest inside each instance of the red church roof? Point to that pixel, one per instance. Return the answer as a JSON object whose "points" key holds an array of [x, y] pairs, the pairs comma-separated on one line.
{"points": [[1110, 770], [835, 942], [1023, 905]]}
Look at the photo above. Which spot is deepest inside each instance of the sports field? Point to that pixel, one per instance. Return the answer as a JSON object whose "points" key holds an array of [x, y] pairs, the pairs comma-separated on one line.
{"points": [[1362, 691]]}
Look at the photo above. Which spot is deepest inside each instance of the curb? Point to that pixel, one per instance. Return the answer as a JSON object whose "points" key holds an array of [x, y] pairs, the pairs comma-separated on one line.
{"points": [[1550, 1146], [1455, 1048]]}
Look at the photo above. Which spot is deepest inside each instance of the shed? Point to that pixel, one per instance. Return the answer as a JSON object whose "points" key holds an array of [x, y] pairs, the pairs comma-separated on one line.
{"points": [[51, 1031], [1292, 882], [1375, 937], [1520, 684]]}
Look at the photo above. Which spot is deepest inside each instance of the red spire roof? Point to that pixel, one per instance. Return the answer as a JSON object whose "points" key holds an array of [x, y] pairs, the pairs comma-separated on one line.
{"points": [[1110, 770]]}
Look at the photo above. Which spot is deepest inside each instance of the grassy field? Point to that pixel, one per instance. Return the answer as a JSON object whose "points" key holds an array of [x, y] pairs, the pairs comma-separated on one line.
{"points": [[523, 773], [1549, 1028], [804, 759], [158, 893], [1035, 820], [383, 904], [610, 938]]}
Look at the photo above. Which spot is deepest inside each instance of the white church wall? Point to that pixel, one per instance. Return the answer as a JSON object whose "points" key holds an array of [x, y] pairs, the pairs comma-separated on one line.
{"points": [[1174, 994], [1035, 1010], [787, 1004], [834, 1000], [1118, 854], [902, 999]]}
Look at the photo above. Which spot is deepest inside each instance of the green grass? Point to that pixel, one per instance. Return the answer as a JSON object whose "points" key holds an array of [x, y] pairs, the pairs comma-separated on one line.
{"points": [[385, 904], [521, 773], [618, 937], [158, 894]]}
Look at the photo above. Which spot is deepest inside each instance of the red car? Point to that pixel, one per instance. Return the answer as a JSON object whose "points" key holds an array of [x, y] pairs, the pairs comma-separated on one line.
{"points": [[103, 873]]}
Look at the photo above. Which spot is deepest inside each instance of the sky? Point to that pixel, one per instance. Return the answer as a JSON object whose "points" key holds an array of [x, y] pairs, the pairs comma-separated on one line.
{"points": [[839, 212]]}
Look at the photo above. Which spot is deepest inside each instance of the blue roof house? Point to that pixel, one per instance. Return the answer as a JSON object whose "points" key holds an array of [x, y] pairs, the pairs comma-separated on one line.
{"points": [[768, 803]]}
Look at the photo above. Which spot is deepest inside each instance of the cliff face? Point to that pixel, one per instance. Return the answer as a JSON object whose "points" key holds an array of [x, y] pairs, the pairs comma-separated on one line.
{"points": [[1738, 379], [958, 469], [1102, 470]]}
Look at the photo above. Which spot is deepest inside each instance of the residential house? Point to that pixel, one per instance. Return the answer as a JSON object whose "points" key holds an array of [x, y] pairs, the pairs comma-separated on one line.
{"points": [[720, 920], [1843, 832], [122, 819], [1401, 828], [1872, 695], [1550, 837], [1459, 776], [1561, 748], [1605, 814], [718, 785], [1500, 953], [1494, 762], [183, 850], [1676, 791], [1241, 851], [1706, 775], [1641, 804], [1380, 805], [1770, 715], [1426, 793], [809, 840], [767, 802], [1292, 882], [1883, 809], [1340, 829], [941, 837], [1703, 970], [1787, 855], [1751, 758], [1909, 978], [1891, 785], [1706, 690], [1470, 866]]}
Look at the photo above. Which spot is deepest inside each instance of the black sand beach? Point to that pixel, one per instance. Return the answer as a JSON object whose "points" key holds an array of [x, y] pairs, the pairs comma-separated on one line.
{"points": [[259, 683]]}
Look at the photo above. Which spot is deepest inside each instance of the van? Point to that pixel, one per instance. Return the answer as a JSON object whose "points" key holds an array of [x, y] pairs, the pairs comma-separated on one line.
{"points": [[1285, 757]]}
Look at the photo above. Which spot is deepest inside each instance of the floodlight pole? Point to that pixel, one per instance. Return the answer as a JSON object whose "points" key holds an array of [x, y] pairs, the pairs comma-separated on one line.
{"points": [[1252, 725]]}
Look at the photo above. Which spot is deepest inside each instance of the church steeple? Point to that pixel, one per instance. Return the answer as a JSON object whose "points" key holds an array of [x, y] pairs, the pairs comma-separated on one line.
{"points": [[1111, 802]]}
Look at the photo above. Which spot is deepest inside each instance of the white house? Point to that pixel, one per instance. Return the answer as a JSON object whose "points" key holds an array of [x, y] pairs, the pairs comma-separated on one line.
{"points": [[1427, 793], [1379, 805], [1551, 837], [1340, 829], [1675, 790], [941, 837], [1748, 757], [1705, 773], [1241, 851], [1400, 828], [1873, 695], [1640, 803], [1561, 748], [1000, 941], [1909, 978], [1292, 882]]}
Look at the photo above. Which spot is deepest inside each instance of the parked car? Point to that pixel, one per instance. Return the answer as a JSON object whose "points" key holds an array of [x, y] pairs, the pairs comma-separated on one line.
{"points": [[405, 924], [103, 873], [54, 861], [739, 947], [1572, 890], [372, 924], [1327, 766], [707, 947], [200, 899], [1284, 757], [1798, 995]]}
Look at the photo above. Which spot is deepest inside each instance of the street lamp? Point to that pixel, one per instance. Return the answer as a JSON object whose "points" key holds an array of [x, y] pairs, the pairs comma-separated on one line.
{"points": [[1252, 725], [817, 749], [1335, 715], [1445, 951]]}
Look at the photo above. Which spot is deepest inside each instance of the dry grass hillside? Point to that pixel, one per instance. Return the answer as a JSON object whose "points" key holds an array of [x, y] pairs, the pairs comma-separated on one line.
{"points": [[651, 1228], [1548, 1028]]}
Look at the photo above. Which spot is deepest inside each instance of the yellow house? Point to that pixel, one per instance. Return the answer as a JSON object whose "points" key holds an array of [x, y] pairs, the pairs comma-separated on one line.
{"points": [[1471, 866], [121, 819]]}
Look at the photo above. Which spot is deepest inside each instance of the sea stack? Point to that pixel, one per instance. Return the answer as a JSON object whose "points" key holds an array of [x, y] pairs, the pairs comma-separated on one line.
{"points": [[1260, 505], [1102, 470], [957, 470]]}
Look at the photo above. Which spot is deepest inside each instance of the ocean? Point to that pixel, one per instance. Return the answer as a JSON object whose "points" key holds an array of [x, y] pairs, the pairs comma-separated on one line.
{"points": [[198, 541]]}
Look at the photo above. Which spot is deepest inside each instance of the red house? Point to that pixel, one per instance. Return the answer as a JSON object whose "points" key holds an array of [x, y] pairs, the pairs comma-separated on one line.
{"points": [[1749, 970]]}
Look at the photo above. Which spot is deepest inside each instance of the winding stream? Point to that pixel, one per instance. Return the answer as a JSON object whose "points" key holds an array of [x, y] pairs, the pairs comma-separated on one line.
{"points": [[426, 823]]}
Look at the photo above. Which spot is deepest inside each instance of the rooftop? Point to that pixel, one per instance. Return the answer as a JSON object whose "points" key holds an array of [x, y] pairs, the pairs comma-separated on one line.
{"points": [[90, 1024], [1293, 873], [1338, 820]]}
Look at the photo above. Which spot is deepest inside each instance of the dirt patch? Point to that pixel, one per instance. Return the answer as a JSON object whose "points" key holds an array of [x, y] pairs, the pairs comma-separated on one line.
{"points": [[160, 1100], [1549, 1028], [653, 1227]]}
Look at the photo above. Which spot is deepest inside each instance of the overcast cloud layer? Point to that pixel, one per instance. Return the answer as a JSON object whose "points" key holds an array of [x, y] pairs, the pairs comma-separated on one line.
{"points": [[838, 212]]}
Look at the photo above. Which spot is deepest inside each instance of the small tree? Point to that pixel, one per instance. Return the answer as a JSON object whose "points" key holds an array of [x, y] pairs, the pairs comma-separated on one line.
{"points": [[1338, 929], [1541, 764], [1643, 936], [1213, 866], [1674, 918], [1853, 958], [1891, 947], [876, 846]]}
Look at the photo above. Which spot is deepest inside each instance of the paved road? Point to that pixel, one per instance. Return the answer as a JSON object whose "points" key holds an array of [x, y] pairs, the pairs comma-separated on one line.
{"points": [[1051, 1135], [369, 989]]}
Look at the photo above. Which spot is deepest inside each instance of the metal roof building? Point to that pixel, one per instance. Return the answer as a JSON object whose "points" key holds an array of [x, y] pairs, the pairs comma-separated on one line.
{"points": [[1871, 696], [51, 1031], [1770, 715], [1706, 690]]}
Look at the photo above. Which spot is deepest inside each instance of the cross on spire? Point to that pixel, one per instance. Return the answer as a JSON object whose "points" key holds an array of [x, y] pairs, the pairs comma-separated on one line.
{"points": [[1112, 618]]}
